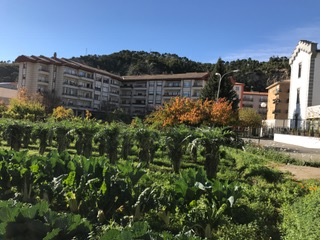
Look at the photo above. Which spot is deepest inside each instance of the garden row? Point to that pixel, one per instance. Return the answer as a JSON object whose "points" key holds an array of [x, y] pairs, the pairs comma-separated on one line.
{"points": [[89, 137], [65, 196]]}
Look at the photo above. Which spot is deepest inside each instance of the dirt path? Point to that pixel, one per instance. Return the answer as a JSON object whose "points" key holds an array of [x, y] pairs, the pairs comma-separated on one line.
{"points": [[298, 172], [297, 152]]}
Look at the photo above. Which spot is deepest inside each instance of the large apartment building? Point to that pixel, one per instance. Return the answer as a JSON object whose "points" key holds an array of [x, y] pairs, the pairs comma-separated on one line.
{"points": [[144, 93], [81, 87]]}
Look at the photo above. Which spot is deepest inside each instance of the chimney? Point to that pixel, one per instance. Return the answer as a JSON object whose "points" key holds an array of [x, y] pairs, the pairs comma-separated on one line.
{"points": [[55, 55]]}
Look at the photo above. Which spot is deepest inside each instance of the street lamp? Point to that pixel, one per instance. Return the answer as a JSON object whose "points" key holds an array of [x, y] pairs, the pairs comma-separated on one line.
{"points": [[221, 77]]}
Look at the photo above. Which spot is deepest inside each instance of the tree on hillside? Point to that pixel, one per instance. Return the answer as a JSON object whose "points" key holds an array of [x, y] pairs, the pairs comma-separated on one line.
{"points": [[254, 74], [248, 117], [226, 87]]}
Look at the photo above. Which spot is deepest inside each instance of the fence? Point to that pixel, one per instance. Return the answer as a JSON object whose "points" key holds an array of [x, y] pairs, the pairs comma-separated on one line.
{"points": [[290, 126]]}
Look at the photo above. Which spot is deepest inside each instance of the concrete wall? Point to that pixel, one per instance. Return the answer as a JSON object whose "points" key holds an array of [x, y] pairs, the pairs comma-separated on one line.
{"points": [[303, 141]]}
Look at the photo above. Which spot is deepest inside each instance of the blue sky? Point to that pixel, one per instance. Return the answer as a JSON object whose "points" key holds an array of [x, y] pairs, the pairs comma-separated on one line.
{"points": [[201, 30]]}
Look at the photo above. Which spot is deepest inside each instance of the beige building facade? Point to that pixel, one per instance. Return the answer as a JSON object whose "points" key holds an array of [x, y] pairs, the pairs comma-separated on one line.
{"points": [[142, 94], [277, 105], [81, 87]]}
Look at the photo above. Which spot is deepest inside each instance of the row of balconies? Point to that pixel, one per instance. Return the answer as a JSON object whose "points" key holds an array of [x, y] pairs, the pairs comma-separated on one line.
{"points": [[91, 77], [166, 85], [88, 96]]}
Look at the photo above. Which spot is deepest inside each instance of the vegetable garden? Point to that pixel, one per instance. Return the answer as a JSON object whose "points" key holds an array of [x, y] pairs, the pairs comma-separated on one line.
{"points": [[84, 179]]}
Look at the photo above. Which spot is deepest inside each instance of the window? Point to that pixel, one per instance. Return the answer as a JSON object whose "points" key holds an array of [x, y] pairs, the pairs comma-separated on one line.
{"points": [[300, 70], [186, 94], [298, 96], [187, 83], [236, 88]]}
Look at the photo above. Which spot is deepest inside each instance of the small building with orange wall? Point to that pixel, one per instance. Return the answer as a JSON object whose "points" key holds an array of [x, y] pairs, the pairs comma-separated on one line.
{"points": [[277, 104]]}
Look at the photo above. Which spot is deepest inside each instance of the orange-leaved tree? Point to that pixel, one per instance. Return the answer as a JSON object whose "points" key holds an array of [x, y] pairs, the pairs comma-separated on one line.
{"points": [[192, 112], [61, 113], [222, 113]]}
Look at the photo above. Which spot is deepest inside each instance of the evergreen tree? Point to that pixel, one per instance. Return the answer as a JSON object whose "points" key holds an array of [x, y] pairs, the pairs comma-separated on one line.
{"points": [[226, 86]]}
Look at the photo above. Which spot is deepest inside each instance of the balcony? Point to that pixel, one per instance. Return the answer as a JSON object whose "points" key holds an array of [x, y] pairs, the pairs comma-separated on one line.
{"points": [[86, 76], [172, 85], [276, 100], [138, 102], [74, 95], [70, 84], [171, 94], [139, 86], [139, 94], [197, 85], [43, 80], [85, 85], [248, 99], [71, 74]]}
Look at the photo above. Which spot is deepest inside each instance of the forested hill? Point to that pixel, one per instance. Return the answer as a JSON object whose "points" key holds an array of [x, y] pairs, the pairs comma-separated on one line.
{"points": [[256, 75], [139, 62], [9, 72]]}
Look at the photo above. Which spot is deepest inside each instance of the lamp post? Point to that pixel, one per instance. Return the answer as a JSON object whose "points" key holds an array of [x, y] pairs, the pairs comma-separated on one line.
{"points": [[262, 105], [221, 77]]}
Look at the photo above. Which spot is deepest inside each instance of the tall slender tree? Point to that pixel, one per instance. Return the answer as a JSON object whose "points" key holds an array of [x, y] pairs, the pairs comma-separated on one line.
{"points": [[226, 87]]}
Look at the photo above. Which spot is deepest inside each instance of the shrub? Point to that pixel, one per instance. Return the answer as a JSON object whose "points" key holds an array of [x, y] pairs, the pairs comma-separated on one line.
{"points": [[301, 220]]}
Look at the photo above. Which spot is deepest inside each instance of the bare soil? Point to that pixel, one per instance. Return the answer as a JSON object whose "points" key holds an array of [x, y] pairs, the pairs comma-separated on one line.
{"points": [[298, 172], [297, 152]]}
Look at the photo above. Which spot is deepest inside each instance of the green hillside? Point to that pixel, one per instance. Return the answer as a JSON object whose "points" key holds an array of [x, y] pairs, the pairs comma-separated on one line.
{"points": [[256, 75]]}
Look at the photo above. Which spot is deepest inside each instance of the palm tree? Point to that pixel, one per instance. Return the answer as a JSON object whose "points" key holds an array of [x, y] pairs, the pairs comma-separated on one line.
{"points": [[211, 139], [61, 130], [107, 139], [143, 139], [176, 142], [43, 132]]}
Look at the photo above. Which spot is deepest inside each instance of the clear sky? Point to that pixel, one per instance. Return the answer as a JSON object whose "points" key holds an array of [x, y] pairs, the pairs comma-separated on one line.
{"points": [[201, 30]]}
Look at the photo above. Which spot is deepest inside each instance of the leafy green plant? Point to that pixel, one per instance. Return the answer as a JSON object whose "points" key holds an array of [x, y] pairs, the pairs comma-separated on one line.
{"points": [[107, 140], [22, 221], [301, 219], [61, 130], [43, 132], [211, 139], [176, 143]]}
